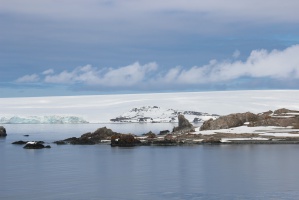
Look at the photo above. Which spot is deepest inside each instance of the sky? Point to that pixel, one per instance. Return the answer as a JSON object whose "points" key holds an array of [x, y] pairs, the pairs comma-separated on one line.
{"points": [[83, 47]]}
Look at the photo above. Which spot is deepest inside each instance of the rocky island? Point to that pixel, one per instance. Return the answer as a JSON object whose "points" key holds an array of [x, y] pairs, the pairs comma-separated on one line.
{"points": [[280, 126]]}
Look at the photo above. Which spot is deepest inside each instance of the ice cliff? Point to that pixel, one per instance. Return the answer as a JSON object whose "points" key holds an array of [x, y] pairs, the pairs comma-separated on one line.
{"points": [[53, 119]]}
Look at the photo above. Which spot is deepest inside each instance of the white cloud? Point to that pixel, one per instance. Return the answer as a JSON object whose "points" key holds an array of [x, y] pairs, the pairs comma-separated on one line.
{"points": [[275, 64], [119, 77], [49, 71], [261, 63], [28, 78]]}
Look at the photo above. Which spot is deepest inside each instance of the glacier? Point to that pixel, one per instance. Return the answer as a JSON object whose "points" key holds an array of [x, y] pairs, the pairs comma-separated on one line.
{"points": [[54, 119], [102, 108]]}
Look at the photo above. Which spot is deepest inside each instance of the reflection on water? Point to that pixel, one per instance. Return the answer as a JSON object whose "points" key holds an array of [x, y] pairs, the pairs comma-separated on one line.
{"points": [[102, 172]]}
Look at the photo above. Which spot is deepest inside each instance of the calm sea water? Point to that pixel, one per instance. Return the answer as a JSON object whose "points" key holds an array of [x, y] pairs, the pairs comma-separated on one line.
{"points": [[102, 172]]}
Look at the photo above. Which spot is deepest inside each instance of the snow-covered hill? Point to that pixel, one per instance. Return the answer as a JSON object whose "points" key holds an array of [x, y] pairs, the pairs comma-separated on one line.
{"points": [[155, 114], [54, 119]]}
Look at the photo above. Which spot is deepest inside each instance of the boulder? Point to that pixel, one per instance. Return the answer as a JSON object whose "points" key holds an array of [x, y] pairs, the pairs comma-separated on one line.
{"points": [[2, 132]]}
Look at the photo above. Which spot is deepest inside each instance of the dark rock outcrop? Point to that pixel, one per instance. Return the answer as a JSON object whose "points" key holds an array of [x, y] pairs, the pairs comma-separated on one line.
{"points": [[90, 138], [2, 132], [164, 132], [36, 145], [184, 125], [124, 140], [21, 142]]}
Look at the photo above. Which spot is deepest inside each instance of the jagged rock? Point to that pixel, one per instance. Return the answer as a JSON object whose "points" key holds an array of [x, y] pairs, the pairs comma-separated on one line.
{"points": [[183, 122], [229, 121], [124, 140], [184, 125], [2, 132]]}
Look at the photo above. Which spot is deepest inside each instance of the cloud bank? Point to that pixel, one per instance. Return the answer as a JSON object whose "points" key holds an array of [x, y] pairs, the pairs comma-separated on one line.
{"points": [[260, 64]]}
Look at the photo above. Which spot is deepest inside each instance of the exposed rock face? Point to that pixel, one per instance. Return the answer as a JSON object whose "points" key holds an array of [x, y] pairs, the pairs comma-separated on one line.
{"points": [[229, 121], [124, 140], [2, 132], [184, 125], [281, 117]]}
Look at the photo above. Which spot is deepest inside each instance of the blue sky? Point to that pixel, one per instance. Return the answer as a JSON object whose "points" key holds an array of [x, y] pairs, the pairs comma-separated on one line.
{"points": [[77, 47]]}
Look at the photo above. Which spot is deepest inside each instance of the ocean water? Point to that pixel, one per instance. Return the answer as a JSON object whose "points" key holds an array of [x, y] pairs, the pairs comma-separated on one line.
{"points": [[102, 172]]}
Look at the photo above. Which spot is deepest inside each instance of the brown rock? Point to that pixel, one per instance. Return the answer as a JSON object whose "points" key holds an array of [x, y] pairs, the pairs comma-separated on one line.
{"points": [[229, 121]]}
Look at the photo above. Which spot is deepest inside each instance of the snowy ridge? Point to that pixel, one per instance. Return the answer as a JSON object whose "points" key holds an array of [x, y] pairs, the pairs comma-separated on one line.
{"points": [[155, 114], [53, 119]]}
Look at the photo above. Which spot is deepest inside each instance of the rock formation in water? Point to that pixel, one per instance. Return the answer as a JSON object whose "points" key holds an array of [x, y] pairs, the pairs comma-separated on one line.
{"points": [[36, 145], [90, 138], [2, 132]]}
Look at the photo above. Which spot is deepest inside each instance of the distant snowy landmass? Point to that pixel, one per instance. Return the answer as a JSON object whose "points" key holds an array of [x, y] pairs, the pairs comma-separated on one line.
{"points": [[155, 114], [54, 119]]}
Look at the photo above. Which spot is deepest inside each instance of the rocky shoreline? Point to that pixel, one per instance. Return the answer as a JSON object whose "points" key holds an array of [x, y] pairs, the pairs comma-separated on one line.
{"points": [[278, 127]]}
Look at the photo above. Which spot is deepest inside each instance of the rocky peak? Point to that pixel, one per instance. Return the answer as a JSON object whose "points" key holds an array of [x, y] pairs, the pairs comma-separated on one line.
{"points": [[184, 125]]}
